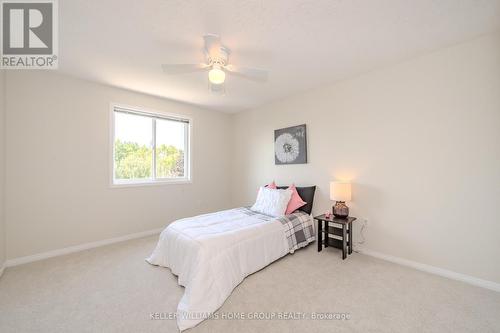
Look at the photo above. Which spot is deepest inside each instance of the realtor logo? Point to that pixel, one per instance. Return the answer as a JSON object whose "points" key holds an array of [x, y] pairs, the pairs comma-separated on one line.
{"points": [[29, 34]]}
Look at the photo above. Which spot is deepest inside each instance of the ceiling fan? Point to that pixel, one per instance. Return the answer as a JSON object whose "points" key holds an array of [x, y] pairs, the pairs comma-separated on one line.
{"points": [[217, 65]]}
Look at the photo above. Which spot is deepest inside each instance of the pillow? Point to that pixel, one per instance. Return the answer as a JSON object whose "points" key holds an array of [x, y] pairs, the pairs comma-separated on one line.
{"points": [[307, 194], [272, 185], [272, 202], [295, 201]]}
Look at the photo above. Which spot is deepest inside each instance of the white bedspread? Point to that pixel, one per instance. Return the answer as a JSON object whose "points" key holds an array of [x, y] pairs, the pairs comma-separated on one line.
{"points": [[211, 254]]}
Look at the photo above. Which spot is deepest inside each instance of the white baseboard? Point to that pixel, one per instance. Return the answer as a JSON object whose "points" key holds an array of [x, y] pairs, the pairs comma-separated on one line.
{"points": [[434, 270], [78, 248]]}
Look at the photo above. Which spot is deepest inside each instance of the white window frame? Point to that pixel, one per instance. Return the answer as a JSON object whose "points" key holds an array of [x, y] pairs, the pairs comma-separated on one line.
{"points": [[154, 114]]}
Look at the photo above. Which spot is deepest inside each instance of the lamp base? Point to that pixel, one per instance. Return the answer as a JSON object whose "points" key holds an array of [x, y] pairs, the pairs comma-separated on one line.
{"points": [[340, 210]]}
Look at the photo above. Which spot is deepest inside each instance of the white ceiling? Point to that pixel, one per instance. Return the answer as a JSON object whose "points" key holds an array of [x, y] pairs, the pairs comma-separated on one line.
{"points": [[303, 43]]}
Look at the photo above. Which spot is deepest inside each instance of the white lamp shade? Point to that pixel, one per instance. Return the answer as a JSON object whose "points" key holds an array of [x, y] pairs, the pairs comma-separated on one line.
{"points": [[340, 191]]}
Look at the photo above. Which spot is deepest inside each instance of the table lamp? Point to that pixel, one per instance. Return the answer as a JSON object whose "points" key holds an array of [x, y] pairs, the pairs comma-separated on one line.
{"points": [[340, 192]]}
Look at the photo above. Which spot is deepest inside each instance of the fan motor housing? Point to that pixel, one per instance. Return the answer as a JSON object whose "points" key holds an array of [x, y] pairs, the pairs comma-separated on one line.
{"points": [[221, 58]]}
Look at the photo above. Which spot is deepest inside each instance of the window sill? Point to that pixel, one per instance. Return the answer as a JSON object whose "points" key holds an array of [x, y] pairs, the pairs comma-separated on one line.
{"points": [[151, 183]]}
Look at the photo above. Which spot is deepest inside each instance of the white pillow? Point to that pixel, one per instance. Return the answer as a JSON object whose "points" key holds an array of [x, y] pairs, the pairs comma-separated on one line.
{"points": [[272, 201]]}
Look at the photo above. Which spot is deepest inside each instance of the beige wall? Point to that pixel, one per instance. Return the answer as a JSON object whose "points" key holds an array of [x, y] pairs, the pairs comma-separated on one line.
{"points": [[57, 152], [420, 140], [2, 168]]}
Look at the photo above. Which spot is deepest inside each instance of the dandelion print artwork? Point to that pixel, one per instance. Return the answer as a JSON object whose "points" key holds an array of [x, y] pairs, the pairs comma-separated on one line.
{"points": [[290, 145], [287, 148]]}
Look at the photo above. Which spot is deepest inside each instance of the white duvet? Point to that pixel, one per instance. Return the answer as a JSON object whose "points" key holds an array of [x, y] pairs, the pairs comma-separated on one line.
{"points": [[211, 254]]}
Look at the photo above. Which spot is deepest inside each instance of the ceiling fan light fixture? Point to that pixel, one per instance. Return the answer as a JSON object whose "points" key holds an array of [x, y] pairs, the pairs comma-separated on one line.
{"points": [[216, 75], [217, 65]]}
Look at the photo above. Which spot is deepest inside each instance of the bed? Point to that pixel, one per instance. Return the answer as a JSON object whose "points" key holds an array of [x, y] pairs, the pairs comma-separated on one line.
{"points": [[212, 253]]}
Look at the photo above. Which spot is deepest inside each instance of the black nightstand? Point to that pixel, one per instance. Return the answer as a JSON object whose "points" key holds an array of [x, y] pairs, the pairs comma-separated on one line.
{"points": [[342, 228]]}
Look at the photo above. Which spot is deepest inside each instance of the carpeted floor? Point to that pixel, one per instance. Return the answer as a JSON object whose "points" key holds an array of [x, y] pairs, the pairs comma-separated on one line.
{"points": [[112, 289]]}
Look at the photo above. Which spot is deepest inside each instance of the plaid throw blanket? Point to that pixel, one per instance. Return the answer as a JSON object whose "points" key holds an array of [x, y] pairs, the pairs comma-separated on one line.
{"points": [[298, 227]]}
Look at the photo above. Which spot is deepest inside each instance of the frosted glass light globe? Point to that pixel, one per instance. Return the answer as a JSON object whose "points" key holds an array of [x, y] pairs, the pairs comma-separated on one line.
{"points": [[216, 75]]}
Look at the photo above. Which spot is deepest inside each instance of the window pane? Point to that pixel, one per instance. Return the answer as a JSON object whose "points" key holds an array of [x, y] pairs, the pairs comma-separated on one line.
{"points": [[170, 148], [133, 149]]}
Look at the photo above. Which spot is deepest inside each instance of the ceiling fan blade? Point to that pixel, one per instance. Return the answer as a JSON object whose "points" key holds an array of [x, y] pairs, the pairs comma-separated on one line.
{"points": [[212, 45], [184, 68], [254, 74]]}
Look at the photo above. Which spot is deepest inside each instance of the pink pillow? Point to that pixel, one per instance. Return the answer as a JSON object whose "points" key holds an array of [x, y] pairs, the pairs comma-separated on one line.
{"points": [[295, 201], [272, 186]]}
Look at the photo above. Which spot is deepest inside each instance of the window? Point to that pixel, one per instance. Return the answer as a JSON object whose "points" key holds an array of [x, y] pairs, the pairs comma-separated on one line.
{"points": [[149, 148]]}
